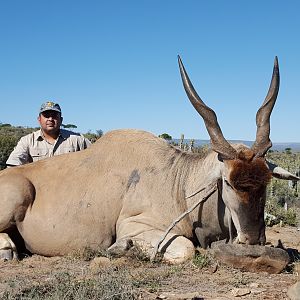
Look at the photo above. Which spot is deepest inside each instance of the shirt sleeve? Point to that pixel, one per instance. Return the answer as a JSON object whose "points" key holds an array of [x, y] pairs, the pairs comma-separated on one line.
{"points": [[87, 143], [83, 143], [20, 154]]}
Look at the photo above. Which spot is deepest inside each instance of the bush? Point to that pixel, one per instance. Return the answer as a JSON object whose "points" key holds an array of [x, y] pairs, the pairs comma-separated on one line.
{"points": [[282, 192], [201, 260], [165, 136], [9, 137], [287, 217], [7, 144]]}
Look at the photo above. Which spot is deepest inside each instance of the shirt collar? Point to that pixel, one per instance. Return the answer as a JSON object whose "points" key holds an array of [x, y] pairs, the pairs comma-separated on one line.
{"points": [[39, 136]]}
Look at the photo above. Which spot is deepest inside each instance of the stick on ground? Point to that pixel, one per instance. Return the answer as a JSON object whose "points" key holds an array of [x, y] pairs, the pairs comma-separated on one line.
{"points": [[210, 190]]}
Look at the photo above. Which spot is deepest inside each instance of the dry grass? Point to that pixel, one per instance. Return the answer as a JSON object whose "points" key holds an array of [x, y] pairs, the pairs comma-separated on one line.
{"points": [[108, 284], [135, 277]]}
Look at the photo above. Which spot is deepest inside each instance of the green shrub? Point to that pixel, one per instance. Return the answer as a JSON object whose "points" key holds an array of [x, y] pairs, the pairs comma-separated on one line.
{"points": [[201, 260], [287, 217], [7, 144]]}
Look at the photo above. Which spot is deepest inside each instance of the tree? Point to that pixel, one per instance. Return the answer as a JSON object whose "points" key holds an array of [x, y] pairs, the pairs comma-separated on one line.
{"points": [[5, 125], [70, 126], [93, 137], [288, 150], [99, 133], [165, 136]]}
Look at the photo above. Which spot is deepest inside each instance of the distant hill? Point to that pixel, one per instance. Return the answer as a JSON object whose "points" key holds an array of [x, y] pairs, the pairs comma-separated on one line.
{"points": [[276, 146]]}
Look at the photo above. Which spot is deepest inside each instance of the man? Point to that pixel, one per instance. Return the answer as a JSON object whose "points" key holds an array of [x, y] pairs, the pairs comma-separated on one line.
{"points": [[49, 140]]}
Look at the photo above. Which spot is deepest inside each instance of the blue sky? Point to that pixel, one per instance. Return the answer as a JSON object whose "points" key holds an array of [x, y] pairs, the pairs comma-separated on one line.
{"points": [[113, 64]]}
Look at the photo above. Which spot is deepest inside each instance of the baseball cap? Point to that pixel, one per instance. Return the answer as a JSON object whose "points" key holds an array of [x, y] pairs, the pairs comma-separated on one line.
{"points": [[49, 105]]}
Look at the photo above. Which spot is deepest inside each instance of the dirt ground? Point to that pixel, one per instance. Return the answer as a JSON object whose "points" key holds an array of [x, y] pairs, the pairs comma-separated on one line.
{"points": [[158, 281]]}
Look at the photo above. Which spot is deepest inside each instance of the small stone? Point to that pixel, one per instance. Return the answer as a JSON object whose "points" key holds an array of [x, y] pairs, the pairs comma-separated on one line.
{"points": [[184, 296], [162, 296], [256, 291], [294, 291], [254, 285], [218, 298], [239, 292], [297, 269], [213, 268]]}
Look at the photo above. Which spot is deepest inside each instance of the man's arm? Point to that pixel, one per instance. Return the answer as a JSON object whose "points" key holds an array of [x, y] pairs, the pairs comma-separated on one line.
{"points": [[20, 154], [85, 143]]}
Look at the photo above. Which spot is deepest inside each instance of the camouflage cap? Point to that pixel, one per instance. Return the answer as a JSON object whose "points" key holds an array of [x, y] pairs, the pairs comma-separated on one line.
{"points": [[50, 106]]}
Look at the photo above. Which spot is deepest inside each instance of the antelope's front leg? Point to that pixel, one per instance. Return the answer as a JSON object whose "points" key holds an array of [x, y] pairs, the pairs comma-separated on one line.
{"points": [[175, 249]]}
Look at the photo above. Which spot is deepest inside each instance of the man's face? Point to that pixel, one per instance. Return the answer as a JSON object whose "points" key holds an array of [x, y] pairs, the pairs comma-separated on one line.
{"points": [[50, 121]]}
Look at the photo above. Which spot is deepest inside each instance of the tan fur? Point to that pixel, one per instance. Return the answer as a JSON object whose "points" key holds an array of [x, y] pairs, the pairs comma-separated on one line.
{"points": [[130, 185], [125, 185]]}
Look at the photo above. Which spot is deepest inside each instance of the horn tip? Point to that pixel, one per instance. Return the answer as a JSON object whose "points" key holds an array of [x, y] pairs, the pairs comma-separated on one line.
{"points": [[180, 63], [276, 61]]}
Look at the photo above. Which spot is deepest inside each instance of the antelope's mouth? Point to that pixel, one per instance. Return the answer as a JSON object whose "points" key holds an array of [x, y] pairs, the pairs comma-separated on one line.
{"points": [[249, 240]]}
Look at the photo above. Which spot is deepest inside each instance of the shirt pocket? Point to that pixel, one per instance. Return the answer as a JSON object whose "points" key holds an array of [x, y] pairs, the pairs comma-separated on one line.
{"points": [[38, 154], [64, 149]]}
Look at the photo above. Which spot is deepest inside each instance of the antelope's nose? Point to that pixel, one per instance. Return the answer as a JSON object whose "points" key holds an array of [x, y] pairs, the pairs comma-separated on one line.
{"points": [[248, 239]]}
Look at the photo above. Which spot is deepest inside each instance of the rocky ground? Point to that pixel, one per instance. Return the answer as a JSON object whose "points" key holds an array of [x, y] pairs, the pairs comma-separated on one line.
{"points": [[78, 277]]}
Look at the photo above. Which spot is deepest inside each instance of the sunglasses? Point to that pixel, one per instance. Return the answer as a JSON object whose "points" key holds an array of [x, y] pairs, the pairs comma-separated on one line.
{"points": [[50, 113]]}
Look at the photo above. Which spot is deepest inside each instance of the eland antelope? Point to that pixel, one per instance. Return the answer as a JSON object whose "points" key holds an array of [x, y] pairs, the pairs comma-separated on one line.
{"points": [[131, 185]]}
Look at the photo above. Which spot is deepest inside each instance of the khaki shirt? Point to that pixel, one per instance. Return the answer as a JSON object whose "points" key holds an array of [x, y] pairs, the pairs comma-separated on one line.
{"points": [[34, 147]]}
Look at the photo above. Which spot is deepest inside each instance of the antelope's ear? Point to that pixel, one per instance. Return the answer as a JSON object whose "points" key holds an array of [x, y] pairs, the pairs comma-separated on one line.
{"points": [[281, 173]]}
